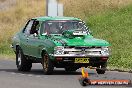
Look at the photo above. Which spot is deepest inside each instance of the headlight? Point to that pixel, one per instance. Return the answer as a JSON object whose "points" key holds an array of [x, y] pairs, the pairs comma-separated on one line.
{"points": [[59, 50], [105, 51]]}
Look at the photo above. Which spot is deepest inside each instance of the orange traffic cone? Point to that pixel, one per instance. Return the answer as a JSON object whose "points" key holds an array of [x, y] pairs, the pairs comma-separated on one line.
{"points": [[84, 74], [84, 80]]}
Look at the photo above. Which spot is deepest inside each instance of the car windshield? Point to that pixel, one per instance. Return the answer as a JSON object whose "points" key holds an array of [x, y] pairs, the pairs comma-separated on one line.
{"points": [[57, 27]]}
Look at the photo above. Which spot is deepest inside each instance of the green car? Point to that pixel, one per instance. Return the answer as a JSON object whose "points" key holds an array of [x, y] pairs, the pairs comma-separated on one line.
{"points": [[61, 42]]}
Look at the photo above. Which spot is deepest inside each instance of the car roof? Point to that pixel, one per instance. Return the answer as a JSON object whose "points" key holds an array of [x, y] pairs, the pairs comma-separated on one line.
{"points": [[46, 18]]}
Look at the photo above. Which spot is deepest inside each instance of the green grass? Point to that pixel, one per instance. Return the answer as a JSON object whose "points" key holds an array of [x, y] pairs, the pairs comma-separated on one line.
{"points": [[116, 27], [5, 48]]}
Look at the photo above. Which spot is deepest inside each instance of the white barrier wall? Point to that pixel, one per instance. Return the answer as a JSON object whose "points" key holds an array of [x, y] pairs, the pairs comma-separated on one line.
{"points": [[54, 8], [60, 9]]}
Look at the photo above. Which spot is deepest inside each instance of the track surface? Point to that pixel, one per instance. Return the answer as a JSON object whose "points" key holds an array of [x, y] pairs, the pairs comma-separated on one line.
{"points": [[11, 78]]}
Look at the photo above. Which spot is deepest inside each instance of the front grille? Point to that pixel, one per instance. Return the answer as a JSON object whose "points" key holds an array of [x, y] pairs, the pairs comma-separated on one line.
{"points": [[92, 47], [82, 50], [80, 47]]}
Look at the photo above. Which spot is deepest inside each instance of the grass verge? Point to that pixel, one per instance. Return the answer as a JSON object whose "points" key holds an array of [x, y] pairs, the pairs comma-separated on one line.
{"points": [[116, 27]]}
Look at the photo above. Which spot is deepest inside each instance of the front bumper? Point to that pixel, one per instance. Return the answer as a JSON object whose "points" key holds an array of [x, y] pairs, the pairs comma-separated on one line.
{"points": [[77, 57], [70, 61], [80, 55]]}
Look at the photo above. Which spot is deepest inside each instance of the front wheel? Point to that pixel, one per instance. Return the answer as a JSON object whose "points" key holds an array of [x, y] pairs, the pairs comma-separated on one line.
{"points": [[102, 68], [47, 64], [22, 63], [99, 71]]}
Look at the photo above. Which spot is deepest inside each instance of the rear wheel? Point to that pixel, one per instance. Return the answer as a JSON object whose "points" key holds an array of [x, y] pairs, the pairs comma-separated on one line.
{"points": [[47, 64], [22, 63]]}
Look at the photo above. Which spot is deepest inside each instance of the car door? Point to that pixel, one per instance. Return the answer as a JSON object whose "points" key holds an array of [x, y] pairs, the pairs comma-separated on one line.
{"points": [[24, 37], [33, 40]]}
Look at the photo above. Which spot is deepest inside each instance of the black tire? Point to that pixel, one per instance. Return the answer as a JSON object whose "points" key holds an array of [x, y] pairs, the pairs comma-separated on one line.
{"points": [[99, 71], [70, 69], [102, 68], [22, 63], [47, 64]]}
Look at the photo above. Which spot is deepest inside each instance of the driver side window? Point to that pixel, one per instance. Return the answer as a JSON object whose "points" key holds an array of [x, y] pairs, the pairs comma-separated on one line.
{"points": [[35, 27], [32, 27], [28, 27]]}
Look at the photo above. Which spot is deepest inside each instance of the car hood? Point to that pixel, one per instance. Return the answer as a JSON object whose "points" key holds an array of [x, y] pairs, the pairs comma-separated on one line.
{"points": [[86, 40]]}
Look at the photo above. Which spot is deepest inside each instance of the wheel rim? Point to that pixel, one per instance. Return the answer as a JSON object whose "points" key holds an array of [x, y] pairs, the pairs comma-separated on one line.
{"points": [[19, 58], [46, 62]]}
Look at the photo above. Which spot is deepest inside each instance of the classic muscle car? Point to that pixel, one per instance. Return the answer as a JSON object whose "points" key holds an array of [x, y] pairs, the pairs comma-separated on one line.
{"points": [[61, 42]]}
